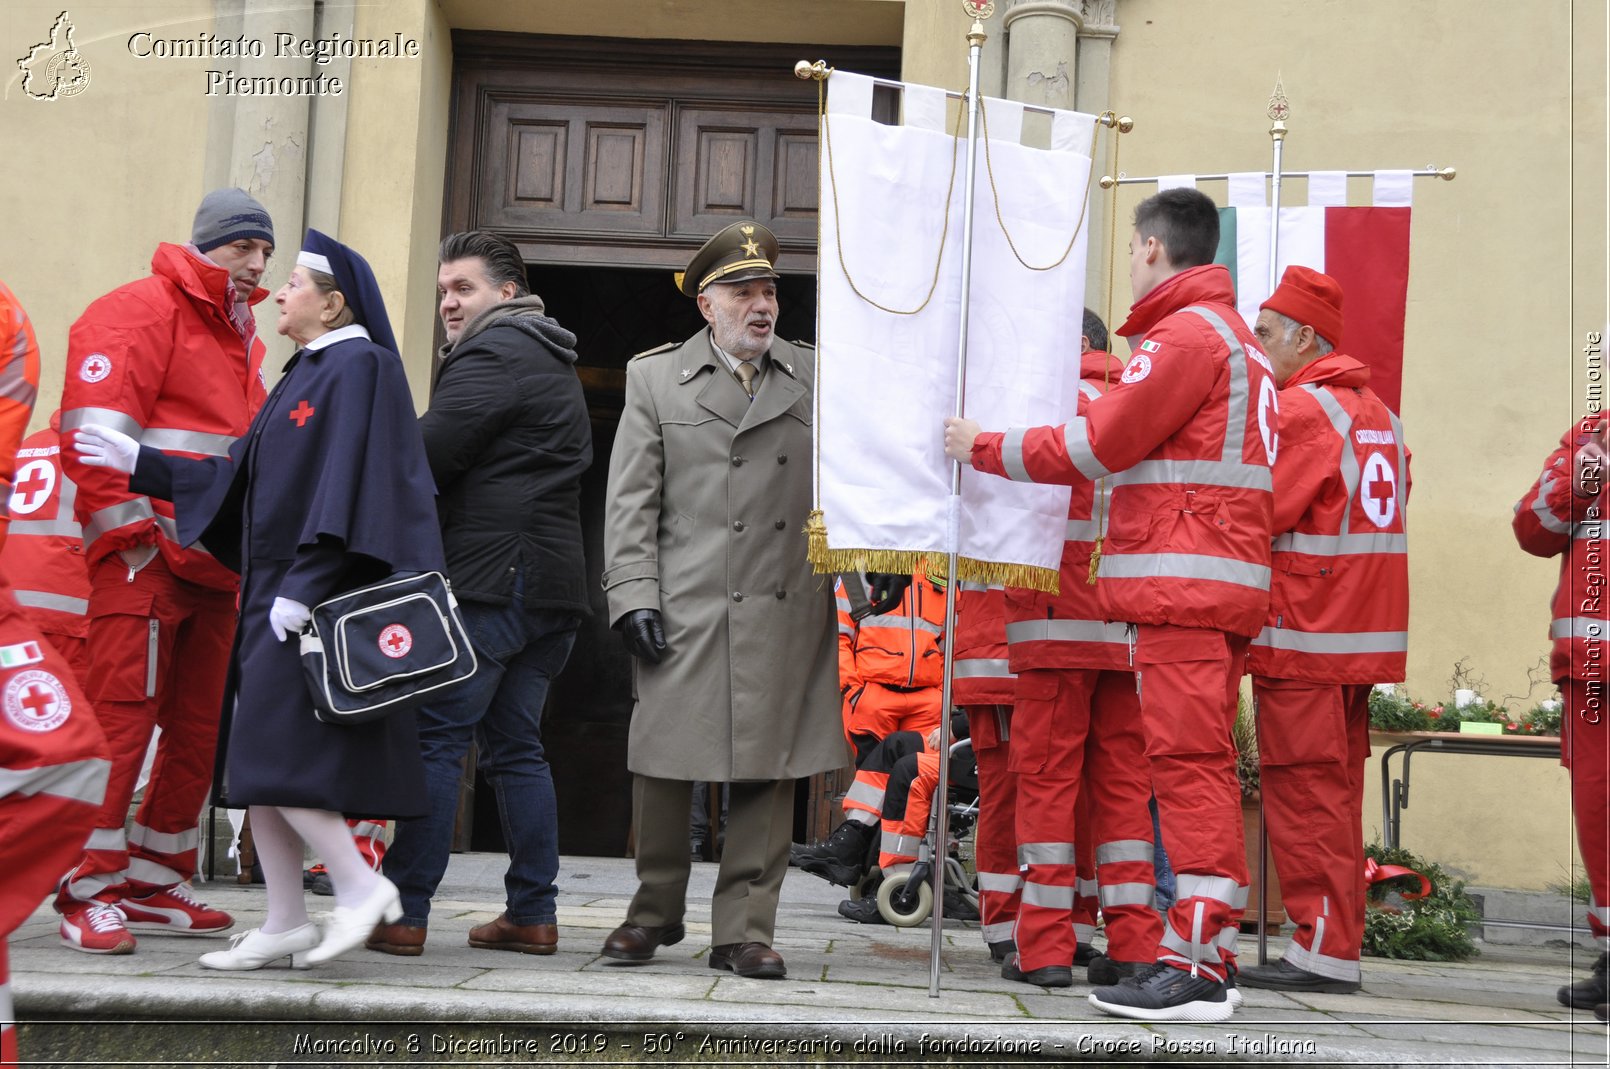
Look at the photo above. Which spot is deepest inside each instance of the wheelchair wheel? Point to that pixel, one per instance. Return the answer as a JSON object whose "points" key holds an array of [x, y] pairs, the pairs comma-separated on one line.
{"points": [[891, 912]]}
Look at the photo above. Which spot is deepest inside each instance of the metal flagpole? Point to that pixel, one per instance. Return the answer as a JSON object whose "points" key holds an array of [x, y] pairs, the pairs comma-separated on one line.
{"points": [[940, 818]]}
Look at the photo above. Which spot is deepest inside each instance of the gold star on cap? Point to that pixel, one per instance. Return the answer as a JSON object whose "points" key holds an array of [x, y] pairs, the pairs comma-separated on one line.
{"points": [[739, 252]]}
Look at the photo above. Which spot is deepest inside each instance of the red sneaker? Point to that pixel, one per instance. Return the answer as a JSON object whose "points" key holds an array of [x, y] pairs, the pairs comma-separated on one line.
{"points": [[174, 911], [97, 929]]}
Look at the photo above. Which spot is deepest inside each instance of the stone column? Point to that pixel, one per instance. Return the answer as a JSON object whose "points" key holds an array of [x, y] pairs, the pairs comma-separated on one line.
{"points": [[1042, 51], [1093, 91]]}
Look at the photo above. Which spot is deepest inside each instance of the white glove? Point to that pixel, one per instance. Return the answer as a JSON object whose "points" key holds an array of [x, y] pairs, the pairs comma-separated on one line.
{"points": [[105, 448], [288, 617]]}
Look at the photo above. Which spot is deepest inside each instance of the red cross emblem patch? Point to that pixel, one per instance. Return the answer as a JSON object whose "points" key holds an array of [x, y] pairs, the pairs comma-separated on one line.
{"points": [[396, 640], [36, 701], [96, 366], [35, 480]]}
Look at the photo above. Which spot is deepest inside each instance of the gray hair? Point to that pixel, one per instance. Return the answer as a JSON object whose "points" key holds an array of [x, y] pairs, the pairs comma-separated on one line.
{"points": [[1289, 328]]}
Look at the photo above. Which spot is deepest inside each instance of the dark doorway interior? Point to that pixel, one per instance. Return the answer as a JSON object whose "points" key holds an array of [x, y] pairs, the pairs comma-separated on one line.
{"points": [[615, 313]]}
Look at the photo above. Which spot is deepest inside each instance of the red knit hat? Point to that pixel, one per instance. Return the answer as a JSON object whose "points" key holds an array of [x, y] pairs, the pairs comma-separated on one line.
{"points": [[1308, 297]]}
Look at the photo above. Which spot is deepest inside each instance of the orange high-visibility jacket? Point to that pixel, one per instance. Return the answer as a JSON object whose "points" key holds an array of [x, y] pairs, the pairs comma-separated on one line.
{"points": [[19, 384], [1339, 603], [900, 648]]}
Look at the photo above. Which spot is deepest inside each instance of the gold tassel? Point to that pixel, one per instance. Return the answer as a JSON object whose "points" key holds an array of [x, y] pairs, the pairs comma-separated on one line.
{"points": [[1095, 559], [816, 541]]}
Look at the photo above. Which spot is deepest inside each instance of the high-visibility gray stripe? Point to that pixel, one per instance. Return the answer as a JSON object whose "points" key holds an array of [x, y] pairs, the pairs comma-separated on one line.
{"points": [[1184, 566], [112, 517], [1012, 455], [1220, 888], [891, 620], [1600, 913], [1084, 888], [899, 845], [169, 528], [1229, 938], [1590, 627], [1089, 389], [860, 816], [1001, 883], [1343, 424], [1545, 515], [1337, 642], [64, 526], [1084, 933], [1082, 531], [368, 829], [1238, 382], [147, 871], [85, 888], [212, 445], [1228, 473], [44, 599], [1350, 544], [843, 604], [78, 781], [1321, 964], [164, 842], [75, 418], [1198, 952], [999, 932], [974, 587], [982, 668], [1047, 896], [1114, 895], [107, 839], [8, 1010], [1124, 850], [1076, 439], [866, 794], [1064, 630], [1045, 853], [1588, 529], [14, 375], [847, 629]]}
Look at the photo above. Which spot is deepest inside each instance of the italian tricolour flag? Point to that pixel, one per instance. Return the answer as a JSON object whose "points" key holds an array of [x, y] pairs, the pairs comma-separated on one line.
{"points": [[1366, 249]]}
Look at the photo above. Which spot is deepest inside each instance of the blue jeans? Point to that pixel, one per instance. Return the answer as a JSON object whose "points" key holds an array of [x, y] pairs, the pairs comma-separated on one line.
{"points": [[1162, 870], [519, 651]]}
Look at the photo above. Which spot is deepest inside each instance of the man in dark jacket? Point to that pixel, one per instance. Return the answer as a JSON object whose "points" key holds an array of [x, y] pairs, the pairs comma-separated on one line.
{"points": [[508, 438]]}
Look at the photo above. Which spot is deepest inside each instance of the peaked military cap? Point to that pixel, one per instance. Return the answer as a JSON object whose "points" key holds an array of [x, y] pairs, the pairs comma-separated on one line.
{"points": [[741, 251]]}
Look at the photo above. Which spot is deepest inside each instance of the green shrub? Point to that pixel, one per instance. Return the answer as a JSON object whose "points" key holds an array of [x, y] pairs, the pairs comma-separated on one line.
{"points": [[1433, 928]]}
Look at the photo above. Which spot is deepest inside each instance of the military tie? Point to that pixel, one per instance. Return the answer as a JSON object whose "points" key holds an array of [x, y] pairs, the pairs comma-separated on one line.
{"points": [[746, 376]]}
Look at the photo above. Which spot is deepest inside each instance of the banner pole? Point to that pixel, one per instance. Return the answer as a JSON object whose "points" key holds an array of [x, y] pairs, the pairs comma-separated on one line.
{"points": [[940, 818]]}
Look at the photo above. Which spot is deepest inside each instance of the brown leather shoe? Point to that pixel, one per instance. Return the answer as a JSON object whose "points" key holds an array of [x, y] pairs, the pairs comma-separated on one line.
{"points": [[637, 942], [504, 934], [404, 940], [754, 960]]}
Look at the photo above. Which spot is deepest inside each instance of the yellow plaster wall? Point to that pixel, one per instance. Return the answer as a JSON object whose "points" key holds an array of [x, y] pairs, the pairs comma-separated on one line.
{"points": [[854, 22], [95, 181]]}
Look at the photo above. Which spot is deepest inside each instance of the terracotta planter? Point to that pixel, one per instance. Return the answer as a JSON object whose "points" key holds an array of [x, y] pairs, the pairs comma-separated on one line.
{"points": [[1274, 913]]}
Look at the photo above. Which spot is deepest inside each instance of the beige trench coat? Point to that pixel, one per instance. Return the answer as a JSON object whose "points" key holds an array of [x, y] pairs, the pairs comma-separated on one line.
{"points": [[708, 496]]}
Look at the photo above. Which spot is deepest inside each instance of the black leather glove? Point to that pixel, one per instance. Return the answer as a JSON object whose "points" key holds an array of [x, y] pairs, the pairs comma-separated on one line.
{"points": [[643, 634], [886, 590]]}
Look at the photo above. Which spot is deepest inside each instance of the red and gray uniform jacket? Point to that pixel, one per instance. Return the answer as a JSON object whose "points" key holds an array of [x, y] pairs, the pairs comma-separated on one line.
{"points": [[1339, 603], [43, 557], [1553, 520], [1069, 629], [1188, 436], [980, 674], [164, 361]]}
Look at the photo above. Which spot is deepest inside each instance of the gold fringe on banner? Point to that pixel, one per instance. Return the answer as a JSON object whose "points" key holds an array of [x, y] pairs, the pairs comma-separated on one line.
{"points": [[816, 550], [906, 561]]}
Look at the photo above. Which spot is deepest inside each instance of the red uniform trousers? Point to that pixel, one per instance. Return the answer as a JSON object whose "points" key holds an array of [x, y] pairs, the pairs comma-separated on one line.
{"points": [[1585, 750], [1078, 725], [159, 653], [8, 1016], [1314, 743], [1000, 885], [1189, 679], [874, 712]]}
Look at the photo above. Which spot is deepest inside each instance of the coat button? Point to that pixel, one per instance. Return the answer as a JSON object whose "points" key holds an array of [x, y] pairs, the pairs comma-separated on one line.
{"points": [[737, 462], [738, 525], [782, 458], [737, 596], [781, 525], [781, 594]]}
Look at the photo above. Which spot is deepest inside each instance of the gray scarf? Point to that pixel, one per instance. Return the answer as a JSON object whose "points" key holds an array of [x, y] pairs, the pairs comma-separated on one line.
{"points": [[526, 314]]}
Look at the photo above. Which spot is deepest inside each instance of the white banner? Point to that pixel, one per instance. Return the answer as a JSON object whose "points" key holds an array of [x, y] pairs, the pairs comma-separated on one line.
{"points": [[887, 380]]}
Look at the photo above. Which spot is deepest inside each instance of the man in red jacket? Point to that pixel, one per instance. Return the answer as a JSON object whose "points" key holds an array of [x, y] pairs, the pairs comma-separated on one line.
{"points": [[1563, 515], [1188, 436], [172, 359], [1338, 622]]}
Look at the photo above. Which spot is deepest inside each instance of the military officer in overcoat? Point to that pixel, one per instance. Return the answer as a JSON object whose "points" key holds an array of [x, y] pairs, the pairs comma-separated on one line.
{"points": [[732, 636]]}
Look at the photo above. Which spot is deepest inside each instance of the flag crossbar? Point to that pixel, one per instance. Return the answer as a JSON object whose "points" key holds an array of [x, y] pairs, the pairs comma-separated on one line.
{"points": [[1447, 174]]}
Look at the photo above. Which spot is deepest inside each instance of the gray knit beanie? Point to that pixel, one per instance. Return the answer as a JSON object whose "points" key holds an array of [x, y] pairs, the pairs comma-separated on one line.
{"points": [[228, 215]]}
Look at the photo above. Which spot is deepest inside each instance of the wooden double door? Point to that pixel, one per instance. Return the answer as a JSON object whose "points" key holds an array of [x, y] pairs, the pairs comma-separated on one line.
{"points": [[609, 162]]}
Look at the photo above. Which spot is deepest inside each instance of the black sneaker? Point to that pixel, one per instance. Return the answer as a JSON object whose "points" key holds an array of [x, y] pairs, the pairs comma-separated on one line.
{"points": [[1044, 976], [1084, 954], [861, 910], [958, 907], [841, 859], [1589, 991], [321, 885], [1106, 972], [1161, 992], [999, 952], [1282, 975]]}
